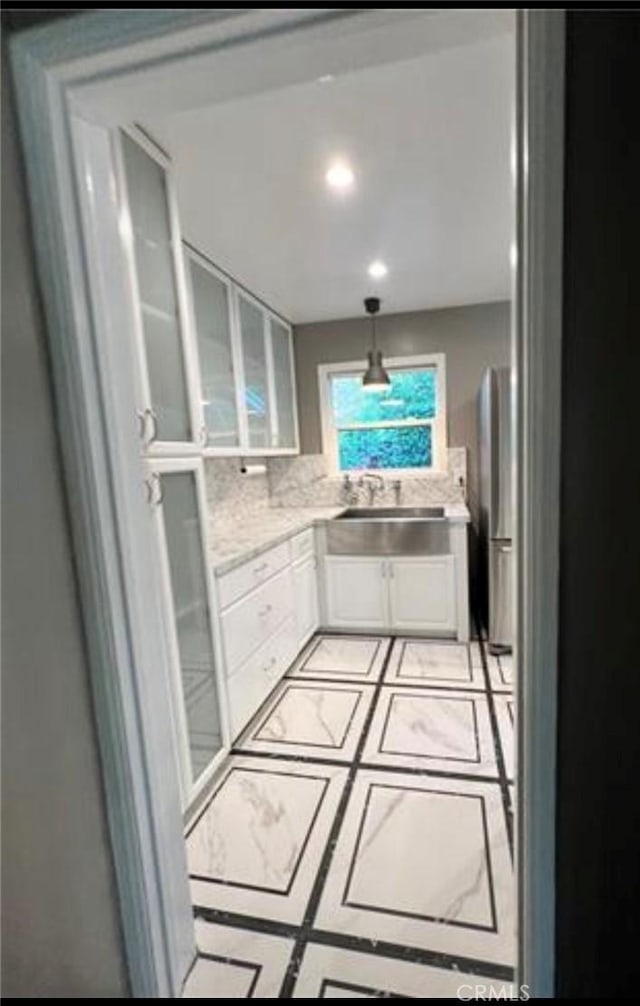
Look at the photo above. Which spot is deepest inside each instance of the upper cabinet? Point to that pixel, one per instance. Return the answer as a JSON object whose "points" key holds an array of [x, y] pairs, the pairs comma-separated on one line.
{"points": [[245, 356], [215, 365], [286, 418], [169, 420], [257, 399], [219, 370]]}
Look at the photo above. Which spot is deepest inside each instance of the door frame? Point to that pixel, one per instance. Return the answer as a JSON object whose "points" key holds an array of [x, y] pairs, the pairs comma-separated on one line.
{"points": [[60, 75]]}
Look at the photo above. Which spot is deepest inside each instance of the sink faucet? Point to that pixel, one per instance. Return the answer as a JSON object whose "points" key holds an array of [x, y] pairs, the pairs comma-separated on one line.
{"points": [[349, 491], [374, 483]]}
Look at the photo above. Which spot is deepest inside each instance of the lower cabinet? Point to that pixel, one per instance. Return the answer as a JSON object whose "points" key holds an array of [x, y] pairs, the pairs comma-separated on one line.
{"points": [[305, 592], [268, 609], [413, 593], [356, 592], [251, 683], [422, 593]]}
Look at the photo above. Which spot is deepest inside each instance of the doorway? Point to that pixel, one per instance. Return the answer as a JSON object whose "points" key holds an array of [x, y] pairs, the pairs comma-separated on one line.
{"points": [[142, 607]]}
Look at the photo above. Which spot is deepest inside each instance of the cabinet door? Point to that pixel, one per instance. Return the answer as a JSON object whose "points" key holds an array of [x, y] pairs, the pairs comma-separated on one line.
{"points": [[158, 293], [422, 593], [356, 592], [196, 680], [305, 587], [211, 306], [252, 325], [285, 422]]}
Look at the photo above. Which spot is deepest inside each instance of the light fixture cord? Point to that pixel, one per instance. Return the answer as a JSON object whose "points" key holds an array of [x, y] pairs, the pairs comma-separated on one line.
{"points": [[373, 333]]}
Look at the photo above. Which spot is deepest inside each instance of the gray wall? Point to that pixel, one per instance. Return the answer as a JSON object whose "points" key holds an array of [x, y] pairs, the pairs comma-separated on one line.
{"points": [[472, 337], [60, 929]]}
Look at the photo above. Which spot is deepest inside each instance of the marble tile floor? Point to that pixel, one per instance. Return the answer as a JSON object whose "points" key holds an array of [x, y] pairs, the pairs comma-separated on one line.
{"points": [[358, 841]]}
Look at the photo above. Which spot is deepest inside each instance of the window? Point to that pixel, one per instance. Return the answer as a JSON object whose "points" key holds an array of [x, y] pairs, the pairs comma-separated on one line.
{"points": [[402, 428]]}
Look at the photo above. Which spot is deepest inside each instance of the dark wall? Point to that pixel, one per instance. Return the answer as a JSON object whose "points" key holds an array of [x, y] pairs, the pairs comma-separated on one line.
{"points": [[598, 826], [60, 921]]}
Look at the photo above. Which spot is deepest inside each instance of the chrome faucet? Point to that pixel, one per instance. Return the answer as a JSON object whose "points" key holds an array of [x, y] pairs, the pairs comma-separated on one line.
{"points": [[374, 483], [349, 491]]}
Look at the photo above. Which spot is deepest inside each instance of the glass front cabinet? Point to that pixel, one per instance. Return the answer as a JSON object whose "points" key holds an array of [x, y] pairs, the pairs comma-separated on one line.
{"points": [[214, 376], [175, 490], [215, 365]]}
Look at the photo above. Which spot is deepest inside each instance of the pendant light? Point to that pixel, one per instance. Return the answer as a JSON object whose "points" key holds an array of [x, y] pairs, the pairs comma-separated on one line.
{"points": [[375, 377]]}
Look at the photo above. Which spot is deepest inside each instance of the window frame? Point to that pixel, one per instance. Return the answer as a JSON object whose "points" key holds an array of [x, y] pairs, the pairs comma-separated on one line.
{"points": [[435, 361]]}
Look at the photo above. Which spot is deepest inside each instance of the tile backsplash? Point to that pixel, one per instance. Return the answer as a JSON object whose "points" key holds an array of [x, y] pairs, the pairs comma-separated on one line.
{"points": [[303, 481], [231, 492]]}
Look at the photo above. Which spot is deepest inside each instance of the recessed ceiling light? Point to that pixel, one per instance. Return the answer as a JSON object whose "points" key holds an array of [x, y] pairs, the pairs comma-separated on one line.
{"points": [[377, 270], [340, 176]]}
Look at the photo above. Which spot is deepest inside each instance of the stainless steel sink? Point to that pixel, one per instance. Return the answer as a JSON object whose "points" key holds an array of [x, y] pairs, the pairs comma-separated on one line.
{"points": [[398, 513], [389, 531]]}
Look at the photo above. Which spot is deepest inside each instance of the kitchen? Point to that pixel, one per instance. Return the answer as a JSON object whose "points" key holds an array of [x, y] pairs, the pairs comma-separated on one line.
{"points": [[318, 444], [336, 866]]}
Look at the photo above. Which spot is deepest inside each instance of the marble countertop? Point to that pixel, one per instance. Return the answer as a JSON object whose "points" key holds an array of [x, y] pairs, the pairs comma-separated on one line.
{"points": [[237, 539], [234, 541]]}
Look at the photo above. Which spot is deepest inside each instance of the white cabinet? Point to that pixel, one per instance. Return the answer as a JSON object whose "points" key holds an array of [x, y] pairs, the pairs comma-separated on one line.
{"points": [[305, 592], [176, 496], [356, 592], [252, 682], [168, 410], [405, 594], [249, 622], [257, 400], [217, 363], [215, 368], [269, 404], [422, 593], [268, 610], [285, 420]]}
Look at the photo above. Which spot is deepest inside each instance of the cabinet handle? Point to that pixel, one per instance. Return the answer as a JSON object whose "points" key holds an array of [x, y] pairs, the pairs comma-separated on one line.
{"points": [[265, 611], [160, 494], [390, 567], [142, 422], [153, 436], [384, 570], [267, 667], [149, 484], [261, 568]]}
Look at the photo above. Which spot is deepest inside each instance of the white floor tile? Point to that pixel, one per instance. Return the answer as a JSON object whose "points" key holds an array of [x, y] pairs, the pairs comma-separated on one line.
{"points": [[331, 973], [442, 665], [238, 964], [311, 718], [341, 658], [447, 731], [506, 714], [424, 862], [257, 847]]}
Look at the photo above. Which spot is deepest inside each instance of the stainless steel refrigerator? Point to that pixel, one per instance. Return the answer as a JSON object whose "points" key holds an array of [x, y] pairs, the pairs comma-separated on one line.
{"points": [[495, 507]]}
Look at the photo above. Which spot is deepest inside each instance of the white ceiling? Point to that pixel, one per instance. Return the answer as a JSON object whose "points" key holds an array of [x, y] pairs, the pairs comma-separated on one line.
{"points": [[429, 140]]}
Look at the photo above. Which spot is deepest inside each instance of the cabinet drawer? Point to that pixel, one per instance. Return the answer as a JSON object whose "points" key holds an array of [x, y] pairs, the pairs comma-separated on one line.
{"points": [[255, 679], [303, 545], [240, 581], [250, 621]]}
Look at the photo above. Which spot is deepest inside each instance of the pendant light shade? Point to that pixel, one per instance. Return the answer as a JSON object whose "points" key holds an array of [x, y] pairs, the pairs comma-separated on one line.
{"points": [[375, 377]]}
